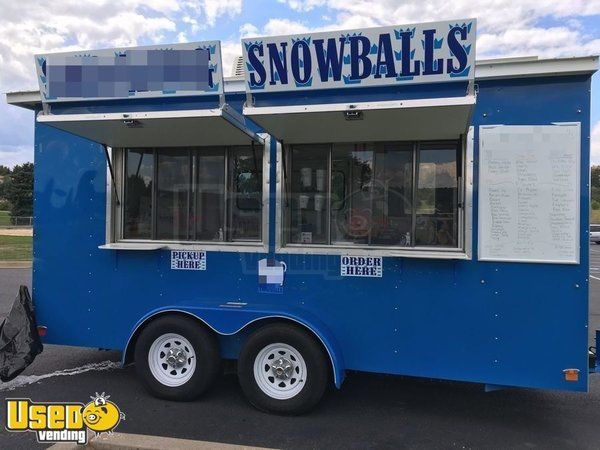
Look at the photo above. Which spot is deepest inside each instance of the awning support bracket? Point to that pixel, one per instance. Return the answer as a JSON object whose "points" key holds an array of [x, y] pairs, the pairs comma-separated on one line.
{"points": [[112, 174], [254, 157], [285, 175]]}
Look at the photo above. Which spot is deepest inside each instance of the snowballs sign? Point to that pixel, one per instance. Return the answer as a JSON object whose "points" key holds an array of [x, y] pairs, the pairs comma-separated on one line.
{"points": [[431, 52]]}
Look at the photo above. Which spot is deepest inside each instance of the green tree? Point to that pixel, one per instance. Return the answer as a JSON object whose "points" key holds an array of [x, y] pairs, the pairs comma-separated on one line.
{"points": [[19, 191], [595, 178], [4, 186], [4, 170]]}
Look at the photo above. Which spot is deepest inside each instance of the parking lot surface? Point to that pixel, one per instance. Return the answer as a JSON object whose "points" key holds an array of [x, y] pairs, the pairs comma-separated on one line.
{"points": [[370, 411]]}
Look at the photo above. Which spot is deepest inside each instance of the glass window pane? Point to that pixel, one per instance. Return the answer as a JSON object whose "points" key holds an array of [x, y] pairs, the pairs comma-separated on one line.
{"points": [[352, 189], [437, 196], [173, 187], [137, 208], [245, 199], [392, 195], [210, 195], [307, 201]]}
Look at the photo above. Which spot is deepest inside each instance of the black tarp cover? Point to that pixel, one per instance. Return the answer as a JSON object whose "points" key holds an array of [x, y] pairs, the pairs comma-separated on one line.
{"points": [[19, 339]]}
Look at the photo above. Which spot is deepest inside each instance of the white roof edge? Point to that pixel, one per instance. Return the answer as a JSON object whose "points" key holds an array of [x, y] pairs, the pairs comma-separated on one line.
{"points": [[361, 106], [486, 69], [531, 66], [26, 99]]}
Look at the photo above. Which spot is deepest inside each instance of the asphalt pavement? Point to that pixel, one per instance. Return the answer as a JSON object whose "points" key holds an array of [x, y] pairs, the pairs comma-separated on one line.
{"points": [[370, 411]]}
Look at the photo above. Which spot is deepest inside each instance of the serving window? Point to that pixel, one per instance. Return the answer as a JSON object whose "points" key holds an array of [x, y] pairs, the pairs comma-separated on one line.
{"points": [[384, 194], [205, 194]]}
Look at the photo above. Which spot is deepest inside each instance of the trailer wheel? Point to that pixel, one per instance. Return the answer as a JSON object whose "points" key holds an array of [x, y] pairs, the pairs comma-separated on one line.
{"points": [[283, 369], [176, 358]]}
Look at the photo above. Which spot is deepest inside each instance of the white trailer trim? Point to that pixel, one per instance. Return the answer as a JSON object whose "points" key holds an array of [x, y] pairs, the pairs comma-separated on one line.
{"points": [[217, 126], [421, 119]]}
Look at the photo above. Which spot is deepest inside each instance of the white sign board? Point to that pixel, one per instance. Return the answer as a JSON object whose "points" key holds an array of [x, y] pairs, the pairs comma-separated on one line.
{"points": [[529, 187], [397, 55], [192, 68], [188, 260], [361, 266]]}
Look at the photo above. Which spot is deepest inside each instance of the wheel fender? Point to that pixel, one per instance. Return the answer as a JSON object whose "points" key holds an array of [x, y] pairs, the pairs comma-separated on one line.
{"points": [[231, 320]]}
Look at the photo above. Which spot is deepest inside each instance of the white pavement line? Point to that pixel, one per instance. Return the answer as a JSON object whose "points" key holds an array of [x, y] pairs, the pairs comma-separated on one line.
{"points": [[595, 278], [126, 441], [24, 380]]}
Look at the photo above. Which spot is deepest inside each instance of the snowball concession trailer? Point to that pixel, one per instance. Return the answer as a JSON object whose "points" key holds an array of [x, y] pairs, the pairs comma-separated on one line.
{"points": [[366, 200]]}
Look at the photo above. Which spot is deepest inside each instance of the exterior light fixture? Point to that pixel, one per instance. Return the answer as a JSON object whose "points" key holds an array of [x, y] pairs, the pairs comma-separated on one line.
{"points": [[353, 115]]}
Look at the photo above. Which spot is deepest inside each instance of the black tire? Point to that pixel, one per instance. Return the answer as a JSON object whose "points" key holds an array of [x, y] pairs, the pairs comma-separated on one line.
{"points": [[205, 346], [317, 369]]}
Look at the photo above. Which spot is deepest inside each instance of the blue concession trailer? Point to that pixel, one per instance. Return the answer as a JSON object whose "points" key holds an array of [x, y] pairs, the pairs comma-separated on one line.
{"points": [[364, 200]]}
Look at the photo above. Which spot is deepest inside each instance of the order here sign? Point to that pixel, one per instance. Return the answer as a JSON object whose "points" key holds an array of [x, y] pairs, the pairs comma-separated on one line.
{"points": [[418, 53]]}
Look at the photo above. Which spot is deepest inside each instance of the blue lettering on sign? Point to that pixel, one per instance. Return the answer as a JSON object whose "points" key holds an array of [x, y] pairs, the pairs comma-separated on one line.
{"points": [[278, 63], [431, 52], [385, 50], [330, 60], [431, 66], [459, 52], [259, 75], [301, 67], [360, 64], [406, 70]]}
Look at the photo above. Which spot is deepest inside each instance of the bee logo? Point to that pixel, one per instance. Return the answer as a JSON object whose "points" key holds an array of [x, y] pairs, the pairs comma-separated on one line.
{"points": [[101, 415]]}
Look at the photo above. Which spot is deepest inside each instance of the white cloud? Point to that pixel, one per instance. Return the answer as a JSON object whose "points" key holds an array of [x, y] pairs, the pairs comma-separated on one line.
{"points": [[595, 144], [229, 50], [506, 27], [284, 26], [11, 155], [215, 8], [303, 6], [542, 42], [16, 134], [181, 37], [248, 30], [29, 27]]}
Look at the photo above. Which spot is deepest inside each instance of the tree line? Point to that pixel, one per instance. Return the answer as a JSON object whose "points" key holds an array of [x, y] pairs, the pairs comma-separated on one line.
{"points": [[16, 190], [595, 187]]}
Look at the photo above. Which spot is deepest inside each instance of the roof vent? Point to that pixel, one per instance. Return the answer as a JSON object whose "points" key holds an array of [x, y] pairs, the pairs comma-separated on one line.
{"points": [[238, 67]]}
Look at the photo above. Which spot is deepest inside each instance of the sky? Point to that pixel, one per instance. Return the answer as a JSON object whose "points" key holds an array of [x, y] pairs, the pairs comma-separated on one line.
{"points": [[546, 28]]}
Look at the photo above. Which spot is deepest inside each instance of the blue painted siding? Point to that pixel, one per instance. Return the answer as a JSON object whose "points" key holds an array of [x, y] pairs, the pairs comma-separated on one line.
{"points": [[497, 323]]}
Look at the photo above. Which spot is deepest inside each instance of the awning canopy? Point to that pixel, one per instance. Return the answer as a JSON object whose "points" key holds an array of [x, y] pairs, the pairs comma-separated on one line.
{"points": [[422, 119], [202, 127]]}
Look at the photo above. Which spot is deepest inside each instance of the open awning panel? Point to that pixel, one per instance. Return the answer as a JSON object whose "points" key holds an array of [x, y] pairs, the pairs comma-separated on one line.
{"points": [[206, 127], [424, 119]]}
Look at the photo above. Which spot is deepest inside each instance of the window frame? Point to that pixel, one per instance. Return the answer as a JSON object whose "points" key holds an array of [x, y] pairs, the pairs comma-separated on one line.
{"points": [[115, 212], [463, 250]]}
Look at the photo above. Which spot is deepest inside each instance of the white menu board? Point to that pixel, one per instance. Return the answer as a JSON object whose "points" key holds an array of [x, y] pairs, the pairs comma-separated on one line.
{"points": [[529, 193]]}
